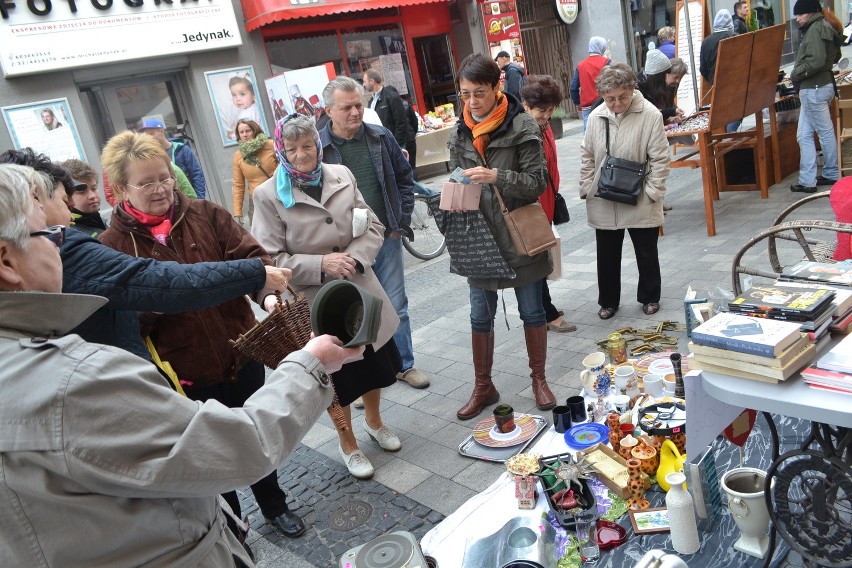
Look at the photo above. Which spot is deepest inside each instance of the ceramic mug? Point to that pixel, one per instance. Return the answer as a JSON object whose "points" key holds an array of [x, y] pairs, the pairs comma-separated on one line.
{"points": [[622, 403], [654, 385], [669, 384]]}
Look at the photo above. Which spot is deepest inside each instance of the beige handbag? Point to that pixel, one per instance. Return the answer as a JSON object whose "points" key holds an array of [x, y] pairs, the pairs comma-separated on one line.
{"points": [[528, 226]]}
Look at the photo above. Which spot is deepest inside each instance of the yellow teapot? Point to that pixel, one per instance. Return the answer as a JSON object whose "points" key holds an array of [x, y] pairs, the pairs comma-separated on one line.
{"points": [[670, 461]]}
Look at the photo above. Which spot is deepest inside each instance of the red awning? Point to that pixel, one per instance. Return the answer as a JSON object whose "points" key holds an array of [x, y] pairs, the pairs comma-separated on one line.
{"points": [[259, 13]]}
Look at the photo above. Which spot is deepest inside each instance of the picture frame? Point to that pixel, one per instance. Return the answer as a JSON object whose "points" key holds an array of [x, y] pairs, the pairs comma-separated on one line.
{"points": [[650, 521], [235, 95], [47, 127]]}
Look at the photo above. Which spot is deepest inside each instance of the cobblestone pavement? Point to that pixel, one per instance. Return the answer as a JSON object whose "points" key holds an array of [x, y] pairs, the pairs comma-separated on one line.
{"points": [[429, 470]]}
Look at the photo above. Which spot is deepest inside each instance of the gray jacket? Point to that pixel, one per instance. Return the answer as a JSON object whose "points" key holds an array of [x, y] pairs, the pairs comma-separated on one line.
{"points": [[104, 465], [516, 152]]}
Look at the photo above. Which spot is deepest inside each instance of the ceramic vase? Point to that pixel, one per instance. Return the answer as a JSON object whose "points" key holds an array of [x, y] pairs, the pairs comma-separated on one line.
{"points": [[745, 487], [626, 445], [647, 456], [679, 440], [684, 529], [613, 421], [636, 484]]}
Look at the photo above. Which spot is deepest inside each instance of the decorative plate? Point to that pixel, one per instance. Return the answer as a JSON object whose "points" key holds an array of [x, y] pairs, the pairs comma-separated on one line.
{"points": [[525, 427], [642, 365], [584, 436]]}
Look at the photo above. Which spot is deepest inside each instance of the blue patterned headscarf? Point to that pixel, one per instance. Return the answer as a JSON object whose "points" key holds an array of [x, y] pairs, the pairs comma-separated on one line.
{"points": [[286, 175]]}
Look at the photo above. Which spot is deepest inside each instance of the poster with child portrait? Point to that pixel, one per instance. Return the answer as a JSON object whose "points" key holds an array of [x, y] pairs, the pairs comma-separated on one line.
{"points": [[234, 94]]}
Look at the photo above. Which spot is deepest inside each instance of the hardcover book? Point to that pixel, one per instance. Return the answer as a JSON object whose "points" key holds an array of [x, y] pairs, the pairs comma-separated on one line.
{"points": [[839, 359], [829, 380], [757, 336], [771, 370], [711, 353], [839, 274], [842, 302], [783, 302]]}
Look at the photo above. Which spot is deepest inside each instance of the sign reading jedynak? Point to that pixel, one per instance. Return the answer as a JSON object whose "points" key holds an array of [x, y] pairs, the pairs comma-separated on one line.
{"points": [[47, 35]]}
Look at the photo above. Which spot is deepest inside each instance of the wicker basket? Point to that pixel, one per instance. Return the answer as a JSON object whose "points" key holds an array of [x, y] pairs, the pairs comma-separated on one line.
{"points": [[285, 330]]}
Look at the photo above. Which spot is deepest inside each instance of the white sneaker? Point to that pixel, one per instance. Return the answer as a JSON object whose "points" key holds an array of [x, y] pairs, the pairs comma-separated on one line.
{"points": [[415, 378], [357, 464], [358, 402], [387, 440]]}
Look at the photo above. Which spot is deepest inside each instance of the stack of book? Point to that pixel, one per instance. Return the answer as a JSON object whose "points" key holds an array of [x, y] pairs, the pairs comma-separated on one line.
{"points": [[761, 349], [839, 274], [833, 371], [811, 307], [841, 305]]}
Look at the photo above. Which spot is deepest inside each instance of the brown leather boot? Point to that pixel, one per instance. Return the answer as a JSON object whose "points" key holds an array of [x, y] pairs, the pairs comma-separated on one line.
{"points": [[537, 352], [484, 392]]}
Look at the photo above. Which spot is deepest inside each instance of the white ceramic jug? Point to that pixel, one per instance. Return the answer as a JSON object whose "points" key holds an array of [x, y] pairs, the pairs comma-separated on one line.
{"points": [[594, 371], [745, 487]]}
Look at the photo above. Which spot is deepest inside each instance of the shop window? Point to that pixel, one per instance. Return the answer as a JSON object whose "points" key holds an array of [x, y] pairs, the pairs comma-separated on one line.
{"points": [[307, 50], [647, 18], [376, 47]]}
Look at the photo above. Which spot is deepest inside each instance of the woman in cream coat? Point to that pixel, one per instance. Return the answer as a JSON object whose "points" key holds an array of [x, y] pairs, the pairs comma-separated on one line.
{"points": [[304, 218], [636, 133]]}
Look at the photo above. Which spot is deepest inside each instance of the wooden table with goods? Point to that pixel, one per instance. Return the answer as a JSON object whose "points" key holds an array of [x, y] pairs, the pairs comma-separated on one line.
{"points": [[744, 86]]}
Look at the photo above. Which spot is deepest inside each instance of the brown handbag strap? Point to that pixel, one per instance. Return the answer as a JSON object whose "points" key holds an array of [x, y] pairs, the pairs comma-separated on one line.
{"points": [[503, 207]]}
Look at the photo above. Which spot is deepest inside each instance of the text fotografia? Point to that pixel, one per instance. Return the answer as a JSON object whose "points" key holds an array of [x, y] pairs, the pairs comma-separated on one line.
{"points": [[46, 7], [201, 36]]}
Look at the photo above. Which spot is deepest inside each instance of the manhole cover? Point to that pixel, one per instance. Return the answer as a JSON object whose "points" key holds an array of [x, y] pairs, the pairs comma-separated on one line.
{"points": [[352, 515]]}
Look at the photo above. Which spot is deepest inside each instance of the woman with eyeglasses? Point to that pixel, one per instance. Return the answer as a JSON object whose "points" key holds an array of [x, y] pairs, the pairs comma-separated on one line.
{"points": [[635, 133], [499, 145], [154, 220]]}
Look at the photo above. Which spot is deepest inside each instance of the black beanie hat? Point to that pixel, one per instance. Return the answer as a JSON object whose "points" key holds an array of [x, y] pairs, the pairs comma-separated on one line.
{"points": [[806, 7]]}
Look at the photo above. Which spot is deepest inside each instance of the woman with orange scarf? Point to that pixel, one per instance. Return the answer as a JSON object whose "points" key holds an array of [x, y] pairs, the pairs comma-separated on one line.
{"points": [[499, 146]]}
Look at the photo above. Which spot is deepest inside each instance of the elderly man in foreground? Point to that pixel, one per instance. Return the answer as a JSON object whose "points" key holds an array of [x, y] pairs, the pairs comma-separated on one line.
{"points": [[94, 442]]}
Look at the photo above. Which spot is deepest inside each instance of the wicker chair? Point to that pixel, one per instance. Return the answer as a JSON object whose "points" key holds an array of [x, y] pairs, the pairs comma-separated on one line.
{"points": [[817, 251], [789, 230]]}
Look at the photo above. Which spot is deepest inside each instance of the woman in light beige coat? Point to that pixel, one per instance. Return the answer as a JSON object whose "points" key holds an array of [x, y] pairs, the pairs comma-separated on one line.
{"points": [[303, 216], [636, 133]]}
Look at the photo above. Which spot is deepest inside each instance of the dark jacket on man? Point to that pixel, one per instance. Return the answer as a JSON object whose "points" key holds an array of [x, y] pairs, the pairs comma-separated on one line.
{"points": [[817, 54], [740, 25], [514, 78], [391, 111], [392, 170], [135, 285], [90, 223], [709, 51]]}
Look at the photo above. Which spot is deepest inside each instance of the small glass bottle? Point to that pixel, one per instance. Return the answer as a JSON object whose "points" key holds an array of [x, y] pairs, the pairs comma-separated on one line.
{"points": [[617, 347]]}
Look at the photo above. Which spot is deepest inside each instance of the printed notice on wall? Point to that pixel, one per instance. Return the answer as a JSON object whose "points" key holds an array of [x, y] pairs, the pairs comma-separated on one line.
{"points": [[47, 126], [685, 93], [47, 36], [393, 72]]}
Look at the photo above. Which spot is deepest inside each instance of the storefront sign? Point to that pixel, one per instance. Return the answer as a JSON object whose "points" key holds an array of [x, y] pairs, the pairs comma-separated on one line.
{"points": [[38, 36], [567, 10], [501, 21], [46, 125]]}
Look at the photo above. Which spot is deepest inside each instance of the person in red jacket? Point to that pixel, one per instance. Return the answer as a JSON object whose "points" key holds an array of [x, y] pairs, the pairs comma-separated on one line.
{"points": [[841, 202], [540, 96], [583, 92]]}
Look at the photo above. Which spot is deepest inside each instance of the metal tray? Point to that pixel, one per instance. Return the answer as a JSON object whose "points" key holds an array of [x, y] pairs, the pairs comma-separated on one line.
{"points": [[473, 449]]}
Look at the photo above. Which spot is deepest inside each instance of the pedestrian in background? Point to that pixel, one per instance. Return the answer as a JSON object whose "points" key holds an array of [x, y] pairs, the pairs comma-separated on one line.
{"points": [[819, 51], [513, 74], [666, 37], [739, 18], [253, 164], [583, 90], [540, 96]]}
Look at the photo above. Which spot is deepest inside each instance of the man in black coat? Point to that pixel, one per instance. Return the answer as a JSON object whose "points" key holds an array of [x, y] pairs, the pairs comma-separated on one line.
{"points": [[513, 74], [739, 18], [388, 105]]}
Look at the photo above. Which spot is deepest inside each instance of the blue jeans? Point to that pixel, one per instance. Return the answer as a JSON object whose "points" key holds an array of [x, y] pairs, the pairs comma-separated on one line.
{"points": [[815, 116], [483, 307], [389, 269], [585, 114]]}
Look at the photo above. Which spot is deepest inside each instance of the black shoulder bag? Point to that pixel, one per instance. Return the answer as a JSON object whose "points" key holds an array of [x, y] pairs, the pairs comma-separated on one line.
{"points": [[621, 180]]}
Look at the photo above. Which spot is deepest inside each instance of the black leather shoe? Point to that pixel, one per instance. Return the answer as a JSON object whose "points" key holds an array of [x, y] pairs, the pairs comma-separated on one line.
{"points": [[288, 524], [802, 188], [821, 181]]}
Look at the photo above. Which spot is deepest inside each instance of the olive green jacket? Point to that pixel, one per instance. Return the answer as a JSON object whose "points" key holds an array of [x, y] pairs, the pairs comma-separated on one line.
{"points": [[817, 54], [516, 152]]}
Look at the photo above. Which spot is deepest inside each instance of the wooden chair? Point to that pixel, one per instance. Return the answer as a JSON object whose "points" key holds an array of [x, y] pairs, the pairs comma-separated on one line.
{"points": [[790, 230]]}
